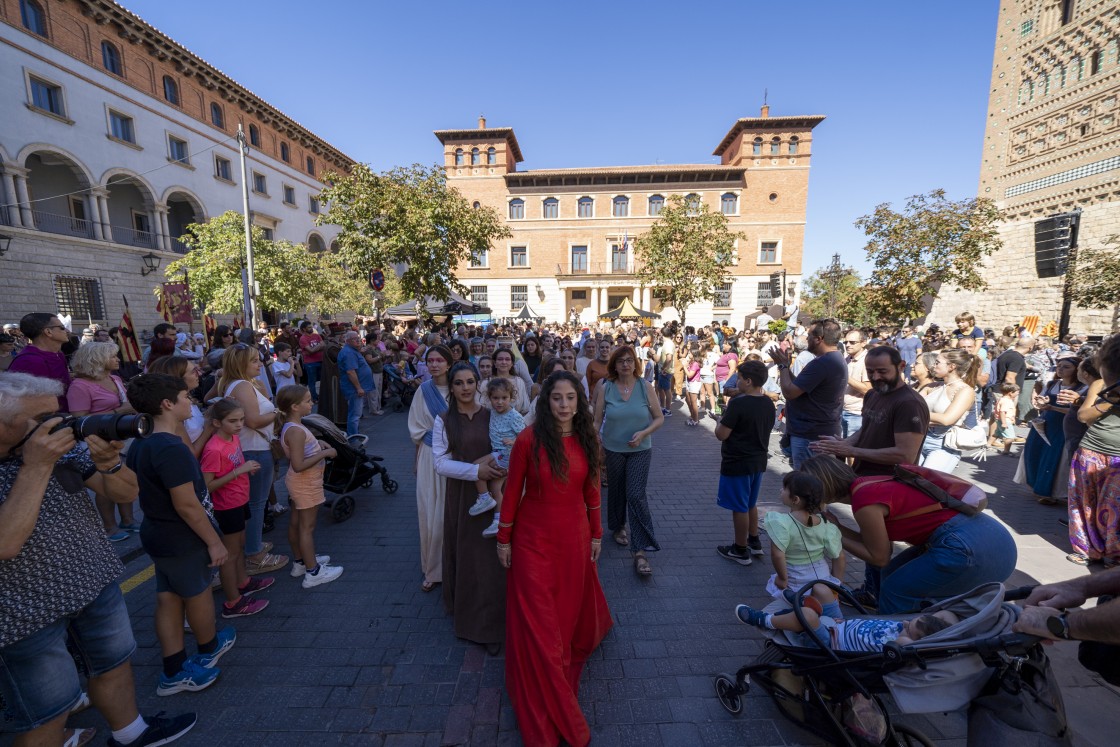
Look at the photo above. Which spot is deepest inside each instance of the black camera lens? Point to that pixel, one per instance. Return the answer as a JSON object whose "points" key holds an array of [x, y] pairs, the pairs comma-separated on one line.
{"points": [[110, 426]]}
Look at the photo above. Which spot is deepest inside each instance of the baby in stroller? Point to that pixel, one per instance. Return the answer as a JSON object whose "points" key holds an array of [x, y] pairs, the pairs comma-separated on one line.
{"points": [[858, 634]]}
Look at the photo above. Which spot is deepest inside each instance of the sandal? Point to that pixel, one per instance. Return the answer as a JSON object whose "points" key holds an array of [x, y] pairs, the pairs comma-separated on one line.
{"points": [[79, 737], [622, 538], [267, 564], [641, 565], [428, 586], [1078, 559]]}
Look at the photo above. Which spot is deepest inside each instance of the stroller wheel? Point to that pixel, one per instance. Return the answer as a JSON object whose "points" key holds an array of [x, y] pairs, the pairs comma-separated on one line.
{"points": [[343, 508], [728, 694], [908, 736], [269, 523], [367, 483], [390, 486]]}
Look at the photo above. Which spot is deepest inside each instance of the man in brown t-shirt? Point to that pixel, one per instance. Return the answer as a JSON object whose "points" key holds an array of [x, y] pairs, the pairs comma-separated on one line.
{"points": [[895, 420], [597, 369]]}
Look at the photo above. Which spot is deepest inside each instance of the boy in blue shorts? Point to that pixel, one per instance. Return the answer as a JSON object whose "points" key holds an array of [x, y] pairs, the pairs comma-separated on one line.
{"points": [[744, 430], [179, 534]]}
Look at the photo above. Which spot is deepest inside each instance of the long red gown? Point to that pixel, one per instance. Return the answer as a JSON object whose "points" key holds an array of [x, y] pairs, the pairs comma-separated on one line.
{"points": [[556, 613]]}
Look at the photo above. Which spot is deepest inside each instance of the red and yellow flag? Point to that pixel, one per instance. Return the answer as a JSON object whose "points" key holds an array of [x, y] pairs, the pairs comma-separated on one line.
{"points": [[126, 337], [1031, 323], [163, 307], [209, 325]]}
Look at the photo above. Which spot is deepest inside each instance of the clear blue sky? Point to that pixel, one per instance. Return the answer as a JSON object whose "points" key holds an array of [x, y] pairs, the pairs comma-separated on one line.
{"points": [[903, 84]]}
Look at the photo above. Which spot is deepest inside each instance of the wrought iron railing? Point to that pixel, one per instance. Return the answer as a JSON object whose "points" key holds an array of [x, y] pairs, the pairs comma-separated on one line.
{"points": [[620, 267], [179, 246], [133, 237], [62, 224]]}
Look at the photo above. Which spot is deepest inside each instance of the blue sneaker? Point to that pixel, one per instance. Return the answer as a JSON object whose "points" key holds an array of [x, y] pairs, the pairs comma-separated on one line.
{"points": [[191, 678], [226, 637], [745, 614]]}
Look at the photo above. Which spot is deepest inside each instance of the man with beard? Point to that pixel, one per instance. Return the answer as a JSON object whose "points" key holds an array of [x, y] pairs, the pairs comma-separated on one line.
{"points": [[895, 420]]}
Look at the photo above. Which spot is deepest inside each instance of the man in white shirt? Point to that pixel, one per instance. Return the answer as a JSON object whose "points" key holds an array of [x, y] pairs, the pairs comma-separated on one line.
{"points": [[855, 342]]}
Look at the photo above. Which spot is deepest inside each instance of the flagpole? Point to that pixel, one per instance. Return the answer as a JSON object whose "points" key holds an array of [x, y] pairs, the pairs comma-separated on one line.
{"points": [[247, 280]]}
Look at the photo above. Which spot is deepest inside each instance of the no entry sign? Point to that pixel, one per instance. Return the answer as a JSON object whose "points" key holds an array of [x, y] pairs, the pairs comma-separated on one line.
{"points": [[377, 280]]}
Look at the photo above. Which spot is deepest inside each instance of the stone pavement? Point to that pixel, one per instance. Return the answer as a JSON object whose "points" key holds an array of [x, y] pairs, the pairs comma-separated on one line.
{"points": [[372, 660]]}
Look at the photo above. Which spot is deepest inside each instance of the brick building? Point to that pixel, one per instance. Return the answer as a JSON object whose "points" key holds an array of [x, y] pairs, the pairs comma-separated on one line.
{"points": [[114, 137], [1051, 158], [573, 228]]}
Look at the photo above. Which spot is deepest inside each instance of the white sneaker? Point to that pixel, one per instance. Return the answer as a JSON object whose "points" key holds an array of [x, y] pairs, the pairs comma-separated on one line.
{"points": [[298, 569], [482, 505], [492, 530], [326, 574]]}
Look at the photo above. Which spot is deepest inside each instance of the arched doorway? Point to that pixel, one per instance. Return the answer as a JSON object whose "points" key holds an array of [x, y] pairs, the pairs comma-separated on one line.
{"points": [[59, 194], [183, 209], [131, 211]]}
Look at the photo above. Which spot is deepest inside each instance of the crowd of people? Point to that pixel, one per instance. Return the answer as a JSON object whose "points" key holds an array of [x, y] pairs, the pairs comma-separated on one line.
{"points": [[517, 430]]}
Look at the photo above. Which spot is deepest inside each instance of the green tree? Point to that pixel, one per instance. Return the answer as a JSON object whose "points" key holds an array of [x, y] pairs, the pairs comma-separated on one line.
{"points": [[847, 300], [932, 241], [685, 253], [290, 277], [1094, 275], [408, 217]]}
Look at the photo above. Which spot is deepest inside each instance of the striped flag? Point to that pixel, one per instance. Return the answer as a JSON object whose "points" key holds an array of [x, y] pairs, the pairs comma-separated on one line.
{"points": [[126, 337]]}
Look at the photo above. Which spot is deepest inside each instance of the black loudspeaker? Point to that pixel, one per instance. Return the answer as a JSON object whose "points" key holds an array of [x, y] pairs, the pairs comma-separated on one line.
{"points": [[1053, 239]]}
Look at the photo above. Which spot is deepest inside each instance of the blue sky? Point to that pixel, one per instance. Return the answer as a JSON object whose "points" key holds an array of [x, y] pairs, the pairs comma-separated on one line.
{"points": [[903, 84]]}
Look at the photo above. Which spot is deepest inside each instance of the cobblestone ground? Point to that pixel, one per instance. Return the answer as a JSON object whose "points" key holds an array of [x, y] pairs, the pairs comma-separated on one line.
{"points": [[372, 660]]}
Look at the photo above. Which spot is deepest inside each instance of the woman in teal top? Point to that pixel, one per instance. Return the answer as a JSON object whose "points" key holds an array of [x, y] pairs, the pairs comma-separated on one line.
{"points": [[627, 411]]}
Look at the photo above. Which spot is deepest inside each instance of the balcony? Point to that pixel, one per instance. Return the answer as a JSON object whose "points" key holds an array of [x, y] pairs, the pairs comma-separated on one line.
{"points": [[133, 237], [599, 269], [65, 225], [62, 224]]}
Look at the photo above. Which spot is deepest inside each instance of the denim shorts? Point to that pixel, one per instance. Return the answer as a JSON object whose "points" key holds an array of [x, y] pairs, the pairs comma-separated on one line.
{"points": [[39, 675], [185, 576]]}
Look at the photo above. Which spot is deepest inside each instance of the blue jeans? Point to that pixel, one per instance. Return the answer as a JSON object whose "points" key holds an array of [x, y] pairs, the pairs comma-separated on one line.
{"points": [[961, 554], [936, 455], [850, 423], [38, 675], [354, 405], [312, 370], [799, 450], [260, 482]]}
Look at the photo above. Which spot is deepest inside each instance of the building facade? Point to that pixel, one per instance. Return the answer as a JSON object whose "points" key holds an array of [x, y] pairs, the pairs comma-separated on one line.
{"points": [[114, 138], [1051, 158], [571, 253]]}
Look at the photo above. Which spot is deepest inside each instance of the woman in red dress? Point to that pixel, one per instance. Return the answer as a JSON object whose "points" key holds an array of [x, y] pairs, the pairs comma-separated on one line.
{"points": [[549, 538]]}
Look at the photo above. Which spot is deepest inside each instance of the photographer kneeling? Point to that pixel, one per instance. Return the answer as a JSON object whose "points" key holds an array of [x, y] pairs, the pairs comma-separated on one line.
{"points": [[58, 577]]}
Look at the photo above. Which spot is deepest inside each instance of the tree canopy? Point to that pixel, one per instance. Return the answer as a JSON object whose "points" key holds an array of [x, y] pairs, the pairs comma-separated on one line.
{"points": [[290, 277], [848, 301], [410, 218], [1094, 275], [685, 253], [932, 241]]}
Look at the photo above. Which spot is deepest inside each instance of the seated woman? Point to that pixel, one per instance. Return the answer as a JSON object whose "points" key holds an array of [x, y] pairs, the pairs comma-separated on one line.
{"points": [[949, 554]]}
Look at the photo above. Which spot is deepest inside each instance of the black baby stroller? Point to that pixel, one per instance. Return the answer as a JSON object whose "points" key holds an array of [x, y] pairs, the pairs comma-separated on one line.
{"points": [[979, 662], [399, 392], [350, 470]]}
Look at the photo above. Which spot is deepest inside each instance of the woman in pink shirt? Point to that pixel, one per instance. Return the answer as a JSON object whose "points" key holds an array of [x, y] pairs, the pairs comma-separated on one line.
{"points": [[96, 390]]}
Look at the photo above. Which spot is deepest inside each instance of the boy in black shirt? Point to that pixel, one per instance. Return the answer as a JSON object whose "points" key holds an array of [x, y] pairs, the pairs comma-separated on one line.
{"points": [[745, 433], [179, 534]]}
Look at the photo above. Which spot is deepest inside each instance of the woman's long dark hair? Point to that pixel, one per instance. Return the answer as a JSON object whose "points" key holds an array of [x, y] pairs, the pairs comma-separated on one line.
{"points": [[547, 436], [452, 422]]}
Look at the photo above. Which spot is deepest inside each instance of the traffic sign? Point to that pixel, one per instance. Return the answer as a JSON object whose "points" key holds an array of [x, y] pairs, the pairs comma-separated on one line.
{"points": [[377, 280]]}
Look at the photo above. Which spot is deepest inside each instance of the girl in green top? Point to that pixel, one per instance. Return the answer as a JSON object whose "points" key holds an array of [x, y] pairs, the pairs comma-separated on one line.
{"points": [[802, 543]]}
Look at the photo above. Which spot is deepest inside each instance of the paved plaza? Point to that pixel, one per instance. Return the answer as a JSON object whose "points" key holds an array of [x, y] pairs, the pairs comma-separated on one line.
{"points": [[372, 660]]}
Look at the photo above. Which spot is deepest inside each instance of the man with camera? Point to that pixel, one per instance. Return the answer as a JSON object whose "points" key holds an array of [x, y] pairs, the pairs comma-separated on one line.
{"points": [[58, 575]]}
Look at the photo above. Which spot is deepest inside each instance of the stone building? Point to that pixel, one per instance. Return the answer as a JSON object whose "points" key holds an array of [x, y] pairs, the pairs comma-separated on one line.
{"points": [[572, 248], [1051, 158], [113, 138]]}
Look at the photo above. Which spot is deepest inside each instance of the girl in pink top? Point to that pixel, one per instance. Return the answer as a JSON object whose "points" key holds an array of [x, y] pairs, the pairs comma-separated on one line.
{"points": [[227, 478]]}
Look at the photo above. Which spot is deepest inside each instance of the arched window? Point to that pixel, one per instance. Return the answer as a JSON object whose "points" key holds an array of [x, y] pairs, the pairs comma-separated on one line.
{"points": [[656, 202], [476, 157], [254, 135], [693, 203], [775, 145], [729, 203], [758, 146], [311, 166], [34, 20], [585, 207], [216, 117], [550, 208], [793, 145], [285, 153], [516, 209], [491, 155], [620, 207], [111, 58], [315, 244], [170, 90], [458, 156]]}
